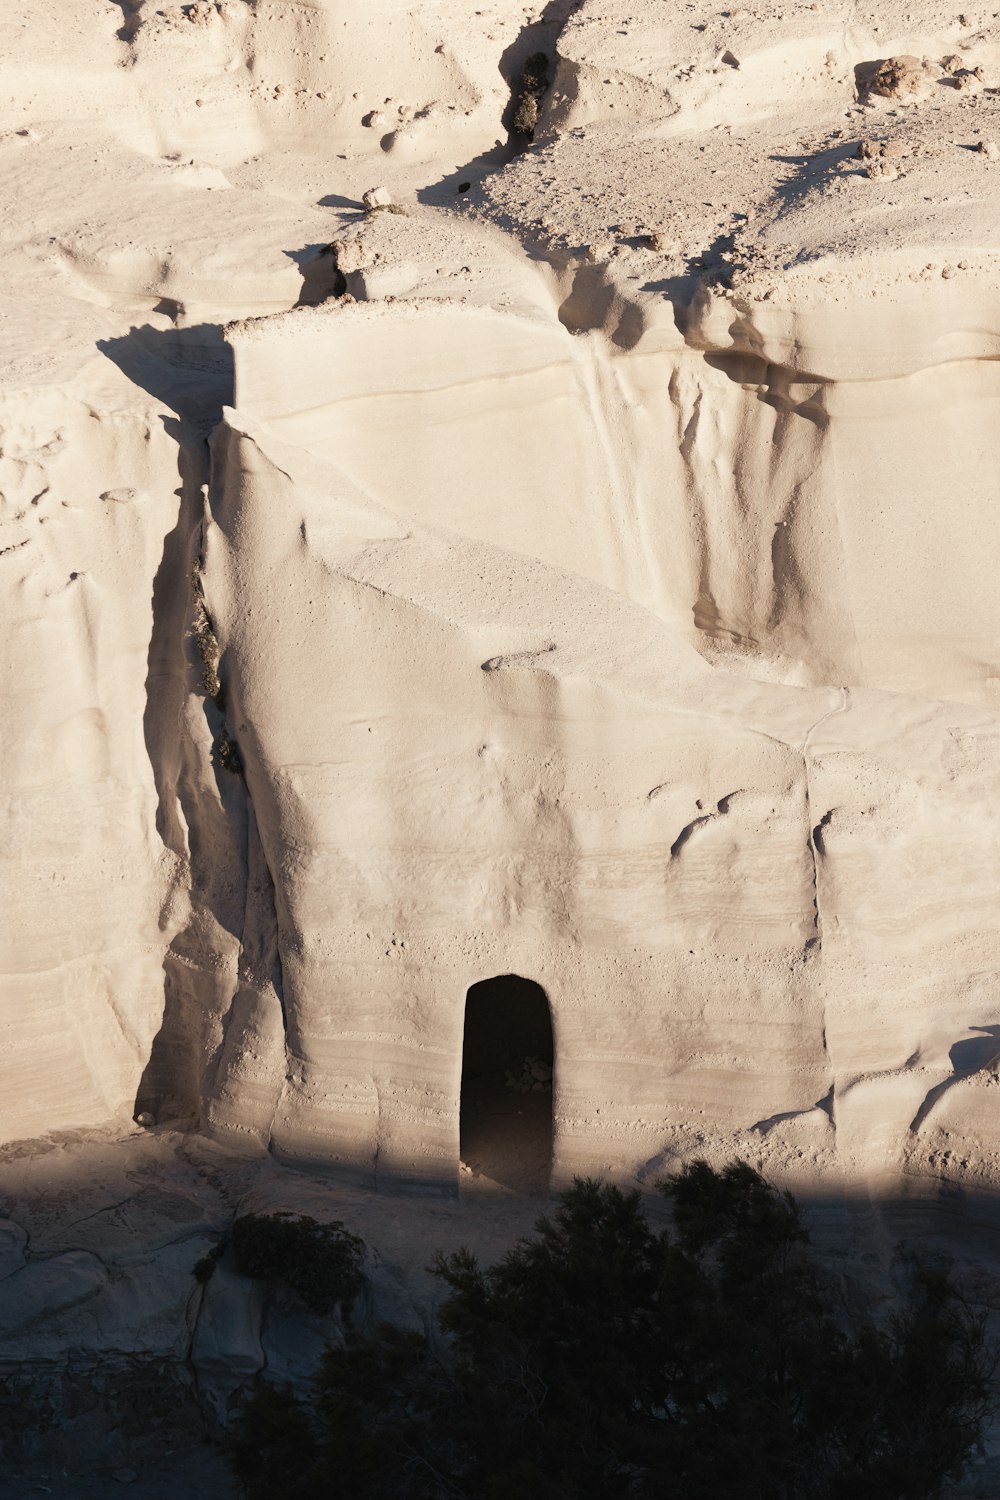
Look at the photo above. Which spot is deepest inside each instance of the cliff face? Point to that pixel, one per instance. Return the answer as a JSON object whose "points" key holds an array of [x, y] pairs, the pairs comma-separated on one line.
{"points": [[589, 578], [749, 903]]}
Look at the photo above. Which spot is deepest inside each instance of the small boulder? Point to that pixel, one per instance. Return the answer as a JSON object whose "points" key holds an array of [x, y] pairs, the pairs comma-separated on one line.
{"points": [[378, 197], [661, 241], [898, 78]]}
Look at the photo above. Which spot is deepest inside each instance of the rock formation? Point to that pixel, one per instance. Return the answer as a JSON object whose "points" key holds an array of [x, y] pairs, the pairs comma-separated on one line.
{"points": [[431, 557]]}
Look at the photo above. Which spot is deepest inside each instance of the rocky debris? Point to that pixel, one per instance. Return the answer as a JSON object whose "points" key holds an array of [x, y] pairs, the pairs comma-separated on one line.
{"points": [[377, 197], [881, 169], [881, 158], [903, 77], [989, 149], [349, 254], [882, 150], [661, 241], [969, 79], [534, 1077]]}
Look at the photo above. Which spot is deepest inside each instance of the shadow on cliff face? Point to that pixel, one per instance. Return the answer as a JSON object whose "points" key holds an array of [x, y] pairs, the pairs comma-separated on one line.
{"points": [[201, 809], [973, 1055], [321, 276], [188, 369], [537, 38]]}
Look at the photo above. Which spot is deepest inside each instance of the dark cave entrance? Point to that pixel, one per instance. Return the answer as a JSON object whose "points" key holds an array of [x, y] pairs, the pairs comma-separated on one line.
{"points": [[507, 1061]]}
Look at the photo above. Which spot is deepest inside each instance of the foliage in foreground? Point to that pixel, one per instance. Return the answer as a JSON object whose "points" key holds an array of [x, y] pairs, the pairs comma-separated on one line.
{"points": [[601, 1358]]}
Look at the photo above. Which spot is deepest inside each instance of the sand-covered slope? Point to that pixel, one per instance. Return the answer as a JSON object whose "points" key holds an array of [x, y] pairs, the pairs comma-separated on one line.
{"points": [[590, 576]]}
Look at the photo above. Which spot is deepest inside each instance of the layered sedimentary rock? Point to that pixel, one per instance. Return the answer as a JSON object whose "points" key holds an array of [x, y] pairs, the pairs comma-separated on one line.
{"points": [[471, 761], [590, 579]]}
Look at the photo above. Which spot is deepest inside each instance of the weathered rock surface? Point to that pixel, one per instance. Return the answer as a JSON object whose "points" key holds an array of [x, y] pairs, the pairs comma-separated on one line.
{"points": [[590, 578]]}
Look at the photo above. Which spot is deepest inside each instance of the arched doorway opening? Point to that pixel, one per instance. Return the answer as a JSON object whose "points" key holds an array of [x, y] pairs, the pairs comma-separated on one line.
{"points": [[507, 1062]]}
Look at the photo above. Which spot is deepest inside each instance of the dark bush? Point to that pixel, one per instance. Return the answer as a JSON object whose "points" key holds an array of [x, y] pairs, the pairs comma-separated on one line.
{"points": [[321, 1262], [533, 82], [601, 1358]]}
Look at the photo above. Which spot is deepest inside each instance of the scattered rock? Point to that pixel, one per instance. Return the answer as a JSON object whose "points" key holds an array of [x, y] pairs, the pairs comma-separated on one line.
{"points": [[660, 241], [378, 197], [989, 149], [898, 78], [145, 1119], [533, 1077], [952, 64], [373, 119], [882, 150], [349, 255]]}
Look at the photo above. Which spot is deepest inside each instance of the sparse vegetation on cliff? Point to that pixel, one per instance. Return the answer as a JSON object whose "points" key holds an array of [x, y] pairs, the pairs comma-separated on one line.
{"points": [[321, 1262], [599, 1357], [205, 639], [533, 82]]}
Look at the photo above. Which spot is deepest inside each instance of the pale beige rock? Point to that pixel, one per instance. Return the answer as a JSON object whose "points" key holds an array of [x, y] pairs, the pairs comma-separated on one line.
{"points": [[621, 615]]}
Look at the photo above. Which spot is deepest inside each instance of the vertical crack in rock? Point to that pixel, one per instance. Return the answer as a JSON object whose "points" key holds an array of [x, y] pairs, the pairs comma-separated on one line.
{"points": [[200, 815], [816, 826], [223, 1022], [244, 1089], [251, 1060], [816, 853]]}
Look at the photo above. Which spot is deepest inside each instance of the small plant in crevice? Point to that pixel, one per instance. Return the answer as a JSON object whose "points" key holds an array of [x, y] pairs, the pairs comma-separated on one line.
{"points": [[205, 639], [322, 1263], [227, 753], [204, 1269], [526, 96]]}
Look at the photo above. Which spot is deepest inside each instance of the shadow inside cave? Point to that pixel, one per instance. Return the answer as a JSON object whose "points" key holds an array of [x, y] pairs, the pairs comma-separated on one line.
{"points": [[507, 1069]]}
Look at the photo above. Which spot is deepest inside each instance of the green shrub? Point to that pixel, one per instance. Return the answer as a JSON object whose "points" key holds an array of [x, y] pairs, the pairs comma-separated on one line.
{"points": [[600, 1358], [273, 1445], [204, 1269], [321, 1262]]}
